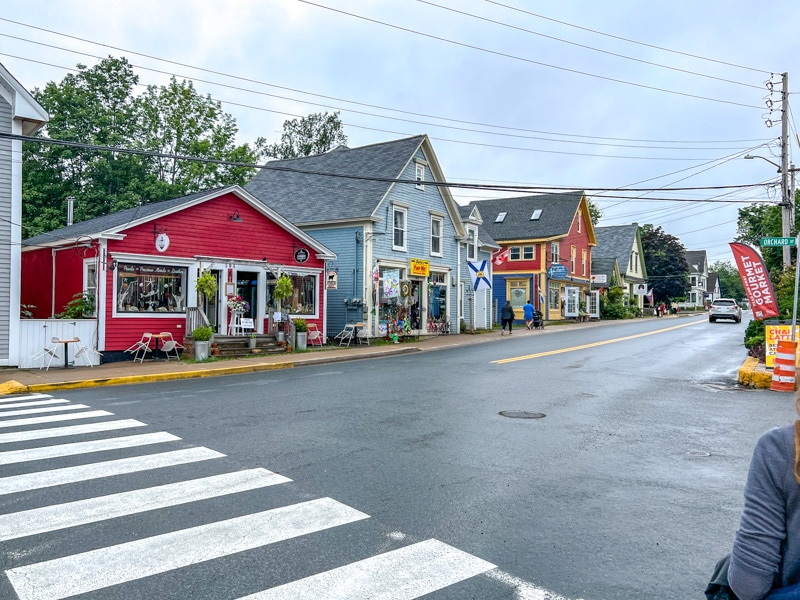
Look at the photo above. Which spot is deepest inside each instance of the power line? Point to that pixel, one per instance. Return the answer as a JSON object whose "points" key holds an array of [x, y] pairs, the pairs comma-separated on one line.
{"points": [[337, 99], [616, 37], [527, 60], [593, 49], [272, 166]]}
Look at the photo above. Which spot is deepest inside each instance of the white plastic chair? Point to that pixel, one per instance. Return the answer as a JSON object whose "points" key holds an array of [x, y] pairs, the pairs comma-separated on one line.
{"points": [[362, 335], [171, 345], [315, 337], [47, 354], [346, 335], [143, 346], [83, 351]]}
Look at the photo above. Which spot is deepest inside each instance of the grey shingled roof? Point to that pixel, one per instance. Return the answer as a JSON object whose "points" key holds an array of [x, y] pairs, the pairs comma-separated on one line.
{"points": [[113, 220], [696, 260], [558, 212], [617, 242], [484, 239], [306, 197], [711, 284], [604, 266]]}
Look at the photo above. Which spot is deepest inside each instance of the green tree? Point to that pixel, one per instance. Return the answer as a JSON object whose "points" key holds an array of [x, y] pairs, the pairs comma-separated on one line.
{"points": [[97, 106], [730, 282], [315, 134], [595, 214], [665, 259], [757, 221]]}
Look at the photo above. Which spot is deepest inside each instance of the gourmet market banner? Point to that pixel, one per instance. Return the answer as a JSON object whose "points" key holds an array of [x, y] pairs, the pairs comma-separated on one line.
{"points": [[757, 284]]}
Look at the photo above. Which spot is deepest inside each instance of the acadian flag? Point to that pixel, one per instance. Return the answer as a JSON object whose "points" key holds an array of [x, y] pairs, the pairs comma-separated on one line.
{"points": [[500, 256], [478, 272]]}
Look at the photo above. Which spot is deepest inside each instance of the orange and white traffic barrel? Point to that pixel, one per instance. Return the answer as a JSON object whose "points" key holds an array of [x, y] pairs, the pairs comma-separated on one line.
{"points": [[783, 373]]}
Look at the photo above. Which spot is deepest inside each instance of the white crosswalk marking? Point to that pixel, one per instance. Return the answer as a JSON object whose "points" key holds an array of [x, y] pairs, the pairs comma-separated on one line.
{"points": [[402, 574], [21, 398], [35, 411], [43, 479], [45, 452], [33, 403], [98, 569], [41, 434], [55, 418], [81, 512]]}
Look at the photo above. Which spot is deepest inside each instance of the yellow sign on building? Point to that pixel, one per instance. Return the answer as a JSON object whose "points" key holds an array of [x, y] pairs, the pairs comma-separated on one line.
{"points": [[774, 334], [420, 267]]}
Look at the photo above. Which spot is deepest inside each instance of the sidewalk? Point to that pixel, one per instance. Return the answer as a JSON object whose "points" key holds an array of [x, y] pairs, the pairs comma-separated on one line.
{"points": [[14, 381]]}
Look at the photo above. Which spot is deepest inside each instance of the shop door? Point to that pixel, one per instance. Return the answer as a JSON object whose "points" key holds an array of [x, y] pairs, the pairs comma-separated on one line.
{"points": [[593, 304], [480, 309], [212, 306], [573, 306], [247, 288]]}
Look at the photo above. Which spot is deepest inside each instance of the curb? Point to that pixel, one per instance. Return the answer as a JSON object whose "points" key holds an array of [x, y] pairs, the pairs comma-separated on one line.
{"points": [[751, 376], [15, 387]]}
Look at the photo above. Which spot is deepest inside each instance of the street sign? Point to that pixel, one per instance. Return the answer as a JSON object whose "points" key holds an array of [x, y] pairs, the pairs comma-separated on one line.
{"points": [[777, 241], [557, 272]]}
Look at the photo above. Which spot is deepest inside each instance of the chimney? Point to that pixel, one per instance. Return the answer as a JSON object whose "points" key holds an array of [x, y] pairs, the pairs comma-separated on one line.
{"points": [[70, 204]]}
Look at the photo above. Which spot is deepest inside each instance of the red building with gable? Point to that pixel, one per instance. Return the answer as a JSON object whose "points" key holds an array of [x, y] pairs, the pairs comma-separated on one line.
{"points": [[140, 266]]}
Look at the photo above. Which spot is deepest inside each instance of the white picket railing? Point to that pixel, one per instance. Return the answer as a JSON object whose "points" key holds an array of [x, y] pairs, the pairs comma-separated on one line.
{"points": [[35, 334]]}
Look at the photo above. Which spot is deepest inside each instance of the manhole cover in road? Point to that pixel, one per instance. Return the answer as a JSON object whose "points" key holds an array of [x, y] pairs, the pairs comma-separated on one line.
{"points": [[698, 453], [521, 414]]}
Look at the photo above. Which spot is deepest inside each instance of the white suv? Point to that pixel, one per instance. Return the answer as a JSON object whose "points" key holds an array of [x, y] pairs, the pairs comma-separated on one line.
{"points": [[724, 308]]}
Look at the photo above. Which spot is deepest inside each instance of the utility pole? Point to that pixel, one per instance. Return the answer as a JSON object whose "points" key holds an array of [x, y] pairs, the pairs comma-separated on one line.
{"points": [[786, 199]]}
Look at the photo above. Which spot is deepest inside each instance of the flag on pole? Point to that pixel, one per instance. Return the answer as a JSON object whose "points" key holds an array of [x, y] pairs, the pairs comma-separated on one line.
{"points": [[757, 284], [500, 256], [478, 272]]}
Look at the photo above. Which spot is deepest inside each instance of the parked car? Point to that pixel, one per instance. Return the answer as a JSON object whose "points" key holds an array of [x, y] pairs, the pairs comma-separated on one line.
{"points": [[724, 308]]}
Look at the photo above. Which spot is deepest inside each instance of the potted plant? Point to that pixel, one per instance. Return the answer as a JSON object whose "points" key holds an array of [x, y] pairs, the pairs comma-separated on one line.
{"points": [[301, 333], [252, 340], [202, 340], [282, 291], [206, 285]]}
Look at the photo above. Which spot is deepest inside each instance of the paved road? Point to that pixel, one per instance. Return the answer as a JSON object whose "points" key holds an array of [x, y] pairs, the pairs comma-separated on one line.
{"points": [[394, 476]]}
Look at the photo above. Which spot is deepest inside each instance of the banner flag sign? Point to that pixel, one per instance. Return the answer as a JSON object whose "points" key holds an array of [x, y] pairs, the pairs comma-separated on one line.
{"points": [[755, 278], [478, 272]]}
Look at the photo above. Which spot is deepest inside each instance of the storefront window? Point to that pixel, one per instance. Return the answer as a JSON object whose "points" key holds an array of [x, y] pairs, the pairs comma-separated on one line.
{"points": [[554, 300], [151, 288], [304, 295], [518, 293]]}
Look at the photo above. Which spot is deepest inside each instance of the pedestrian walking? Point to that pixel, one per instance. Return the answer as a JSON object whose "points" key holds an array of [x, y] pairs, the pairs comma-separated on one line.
{"points": [[765, 561], [662, 308], [527, 312], [506, 317]]}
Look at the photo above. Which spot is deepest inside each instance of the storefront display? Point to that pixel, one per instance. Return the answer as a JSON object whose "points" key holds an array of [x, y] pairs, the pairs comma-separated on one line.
{"points": [[151, 288]]}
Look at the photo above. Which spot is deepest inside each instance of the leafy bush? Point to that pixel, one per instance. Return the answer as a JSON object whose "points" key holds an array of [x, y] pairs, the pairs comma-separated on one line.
{"points": [[81, 306], [300, 325], [202, 334]]}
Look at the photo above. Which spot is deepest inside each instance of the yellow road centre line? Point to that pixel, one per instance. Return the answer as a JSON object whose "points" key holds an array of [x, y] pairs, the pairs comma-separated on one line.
{"points": [[503, 361]]}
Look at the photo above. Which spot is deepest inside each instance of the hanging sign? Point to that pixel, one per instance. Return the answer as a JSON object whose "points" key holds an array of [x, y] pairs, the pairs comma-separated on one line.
{"points": [[162, 242], [301, 255], [420, 267], [332, 280], [557, 271]]}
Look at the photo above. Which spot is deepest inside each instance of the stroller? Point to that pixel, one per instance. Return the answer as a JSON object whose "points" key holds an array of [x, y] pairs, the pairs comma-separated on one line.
{"points": [[538, 320]]}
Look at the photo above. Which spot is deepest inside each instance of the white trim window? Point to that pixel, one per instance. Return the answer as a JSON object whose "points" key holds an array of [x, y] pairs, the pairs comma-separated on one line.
{"points": [[472, 243], [583, 262], [399, 228], [437, 227], [419, 175], [90, 281], [572, 256], [554, 255]]}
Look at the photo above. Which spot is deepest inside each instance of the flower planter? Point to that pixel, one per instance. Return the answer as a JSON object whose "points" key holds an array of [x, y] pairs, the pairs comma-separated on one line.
{"points": [[281, 336], [201, 350], [302, 337], [251, 343]]}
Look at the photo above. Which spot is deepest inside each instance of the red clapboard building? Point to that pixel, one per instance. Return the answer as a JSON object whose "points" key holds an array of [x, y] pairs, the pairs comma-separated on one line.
{"points": [[140, 266]]}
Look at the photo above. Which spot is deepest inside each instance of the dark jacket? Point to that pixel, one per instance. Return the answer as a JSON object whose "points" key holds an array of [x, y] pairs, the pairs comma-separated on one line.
{"points": [[507, 312]]}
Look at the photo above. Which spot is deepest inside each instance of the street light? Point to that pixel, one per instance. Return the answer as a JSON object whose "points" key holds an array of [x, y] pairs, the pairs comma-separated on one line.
{"points": [[786, 204]]}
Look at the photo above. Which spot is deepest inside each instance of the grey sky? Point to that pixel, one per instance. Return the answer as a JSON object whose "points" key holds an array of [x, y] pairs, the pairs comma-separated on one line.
{"points": [[506, 96]]}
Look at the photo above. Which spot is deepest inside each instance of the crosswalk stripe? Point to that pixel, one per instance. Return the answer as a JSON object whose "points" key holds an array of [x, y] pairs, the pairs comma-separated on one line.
{"points": [[34, 403], [402, 574], [53, 432], [54, 418], [45, 452], [71, 514], [37, 411], [20, 398], [122, 466], [104, 567]]}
